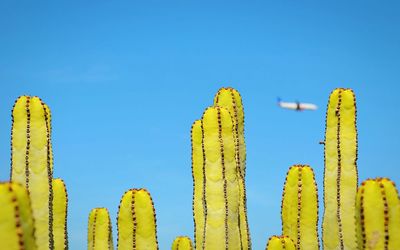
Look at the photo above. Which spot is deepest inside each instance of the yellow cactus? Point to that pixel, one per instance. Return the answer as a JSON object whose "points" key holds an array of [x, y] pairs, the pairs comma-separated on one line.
{"points": [[16, 222], [378, 215], [31, 162], [300, 207], [230, 99], [182, 243], [100, 230], [198, 180], [280, 243], [60, 206], [340, 176], [221, 188], [137, 227]]}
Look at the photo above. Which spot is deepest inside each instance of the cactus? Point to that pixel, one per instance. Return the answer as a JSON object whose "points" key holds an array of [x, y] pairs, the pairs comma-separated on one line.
{"points": [[31, 162], [230, 99], [182, 243], [60, 206], [280, 243], [300, 207], [220, 186], [137, 228], [198, 180], [99, 230], [16, 222], [340, 175], [378, 215]]}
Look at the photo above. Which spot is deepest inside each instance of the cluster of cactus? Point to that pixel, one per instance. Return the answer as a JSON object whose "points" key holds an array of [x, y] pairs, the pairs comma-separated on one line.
{"points": [[354, 218], [33, 205], [218, 166]]}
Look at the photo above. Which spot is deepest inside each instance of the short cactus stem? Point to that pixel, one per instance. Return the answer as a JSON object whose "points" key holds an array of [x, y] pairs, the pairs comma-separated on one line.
{"points": [[280, 243], [230, 99], [137, 228], [378, 215], [340, 174], [182, 243], [16, 222], [31, 162], [221, 187], [100, 230], [300, 208], [198, 180], [60, 207]]}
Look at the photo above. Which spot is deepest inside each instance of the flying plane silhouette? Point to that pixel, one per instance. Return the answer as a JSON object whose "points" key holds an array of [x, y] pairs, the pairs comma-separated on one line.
{"points": [[298, 106]]}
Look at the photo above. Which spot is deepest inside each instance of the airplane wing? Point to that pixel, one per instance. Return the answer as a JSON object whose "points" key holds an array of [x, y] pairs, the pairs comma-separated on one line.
{"points": [[308, 106], [288, 105]]}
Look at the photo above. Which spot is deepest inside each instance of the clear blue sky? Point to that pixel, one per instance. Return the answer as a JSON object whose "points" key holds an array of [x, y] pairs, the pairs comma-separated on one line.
{"points": [[125, 80]]}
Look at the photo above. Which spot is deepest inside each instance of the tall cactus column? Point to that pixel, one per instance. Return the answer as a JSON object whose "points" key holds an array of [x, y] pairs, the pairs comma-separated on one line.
{"points": [[300, 208], [198, 183], [137, 228], [378, 215], [340, 175], [31, 162], [230, 99], [221, 187]]}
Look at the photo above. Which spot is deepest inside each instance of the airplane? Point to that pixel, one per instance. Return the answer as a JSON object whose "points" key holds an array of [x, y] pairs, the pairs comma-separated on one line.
{"points": [[298, 106]]}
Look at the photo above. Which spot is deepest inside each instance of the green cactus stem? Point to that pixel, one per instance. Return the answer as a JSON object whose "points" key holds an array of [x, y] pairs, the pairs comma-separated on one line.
{"points": [[182, 243], [137, 228], [100, 230], [280, 243], [378, 215], [300, 207], [340, 175], [230, 99], [198, 181], [221, 187], [60, 206], [31, 162], [16, 222]]}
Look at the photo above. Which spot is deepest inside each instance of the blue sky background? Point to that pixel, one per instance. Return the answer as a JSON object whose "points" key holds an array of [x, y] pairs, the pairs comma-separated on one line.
{"points": [[125, 80]]}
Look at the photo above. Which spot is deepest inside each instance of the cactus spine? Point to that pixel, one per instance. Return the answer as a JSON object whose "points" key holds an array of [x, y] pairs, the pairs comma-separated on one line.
{"points": [[280, 243], [16, 222], [60, 206], [137, 228], [31, 162], [300, 207], [182, 243], [230, 99], [378, 215], [99, 230], [198, 183], [340, 175]]}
